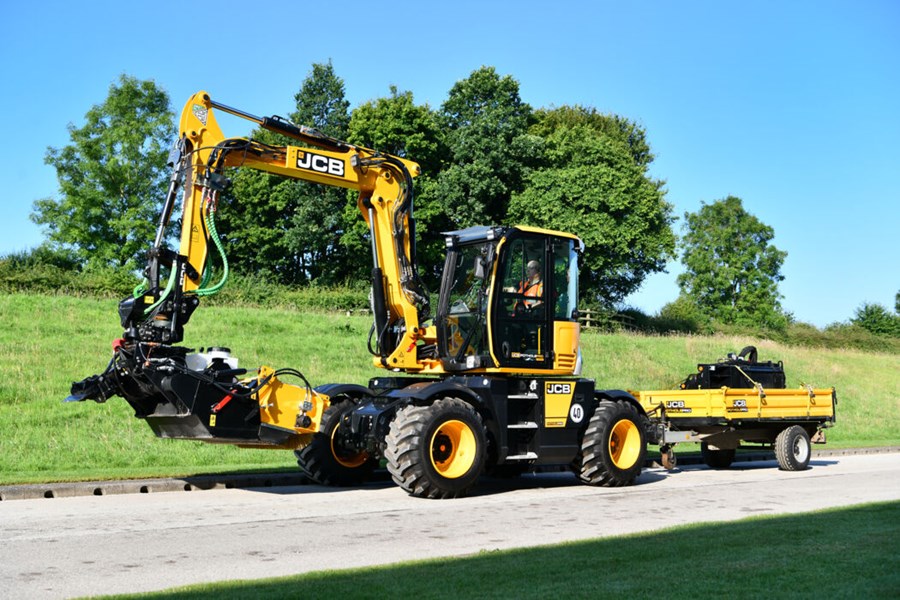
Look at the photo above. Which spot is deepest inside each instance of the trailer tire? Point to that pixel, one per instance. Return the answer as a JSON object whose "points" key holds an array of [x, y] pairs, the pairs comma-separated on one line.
{"points": [[326, 463], [613, 447], [436, 451], [792, 449], [716, 458]]}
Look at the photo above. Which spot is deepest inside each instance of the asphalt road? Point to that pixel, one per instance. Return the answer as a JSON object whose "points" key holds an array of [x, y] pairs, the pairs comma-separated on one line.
{"points": [[65, 547]]}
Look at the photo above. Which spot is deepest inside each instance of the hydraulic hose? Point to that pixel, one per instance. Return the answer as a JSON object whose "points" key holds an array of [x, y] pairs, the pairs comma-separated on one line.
{"points": [[170, 285], [214, 236]]}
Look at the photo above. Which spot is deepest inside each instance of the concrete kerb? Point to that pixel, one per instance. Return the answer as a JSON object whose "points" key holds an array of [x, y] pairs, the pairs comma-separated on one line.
{"points": [[267, 480], [148, 486]]}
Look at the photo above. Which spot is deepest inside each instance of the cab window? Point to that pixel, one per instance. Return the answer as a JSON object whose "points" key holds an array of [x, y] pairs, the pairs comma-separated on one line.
{"points": [[467, 302], [565, 280]]}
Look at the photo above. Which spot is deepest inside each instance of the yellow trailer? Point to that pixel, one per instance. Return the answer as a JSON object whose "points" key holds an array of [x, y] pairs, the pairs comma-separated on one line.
{"points": [[723, 419]]}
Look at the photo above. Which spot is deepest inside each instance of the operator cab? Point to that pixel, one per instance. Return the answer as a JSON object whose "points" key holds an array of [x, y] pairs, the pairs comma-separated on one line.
{"points": [[508, 301]]}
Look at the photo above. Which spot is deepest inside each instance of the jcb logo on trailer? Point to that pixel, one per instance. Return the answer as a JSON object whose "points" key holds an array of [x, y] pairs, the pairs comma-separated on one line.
{"points": [[559, 388], [320, 164]]}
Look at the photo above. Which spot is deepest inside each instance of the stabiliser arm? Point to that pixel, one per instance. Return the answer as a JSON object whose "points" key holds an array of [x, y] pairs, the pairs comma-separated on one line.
{"points": [[199, 395]]}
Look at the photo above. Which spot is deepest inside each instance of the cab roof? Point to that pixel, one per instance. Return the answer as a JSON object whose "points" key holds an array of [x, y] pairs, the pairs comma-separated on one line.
{"points": [[487, 233]]}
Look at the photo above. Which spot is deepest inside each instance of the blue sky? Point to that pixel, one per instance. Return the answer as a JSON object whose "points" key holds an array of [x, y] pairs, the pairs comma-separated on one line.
{"points": [[792, 106]]}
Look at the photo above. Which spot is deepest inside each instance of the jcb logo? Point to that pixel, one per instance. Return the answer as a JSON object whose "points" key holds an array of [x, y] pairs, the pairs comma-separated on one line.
{"points": [[320, 164], [675, 404], [558, 407], [559, 388]]}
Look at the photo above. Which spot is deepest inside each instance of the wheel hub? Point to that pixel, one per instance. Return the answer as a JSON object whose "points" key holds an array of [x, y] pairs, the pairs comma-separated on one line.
{"points": [[624, 444], [453, 449]]}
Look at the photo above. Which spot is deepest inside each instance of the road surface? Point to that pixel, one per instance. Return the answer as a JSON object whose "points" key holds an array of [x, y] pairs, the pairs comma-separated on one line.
{"points": [[64, 547]]}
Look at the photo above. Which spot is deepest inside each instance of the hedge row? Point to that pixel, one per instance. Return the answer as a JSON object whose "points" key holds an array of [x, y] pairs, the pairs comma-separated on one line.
{"points": [[18, 275]]}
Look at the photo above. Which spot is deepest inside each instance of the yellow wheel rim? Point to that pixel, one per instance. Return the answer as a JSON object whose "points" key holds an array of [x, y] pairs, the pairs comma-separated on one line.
{"points": [[351, 460], [625, 444], [453, 449]]}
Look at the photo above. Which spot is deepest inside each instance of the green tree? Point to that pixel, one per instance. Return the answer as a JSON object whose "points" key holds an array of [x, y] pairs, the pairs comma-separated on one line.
{"points": [[731, 268], [877, 319], [610, 126], [594, 182], [112, 177], [396, 125], [486, 124], [287, 228]]}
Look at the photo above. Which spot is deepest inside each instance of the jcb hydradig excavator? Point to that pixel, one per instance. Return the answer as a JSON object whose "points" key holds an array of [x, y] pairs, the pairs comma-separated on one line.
{"points": [[491, 381]]}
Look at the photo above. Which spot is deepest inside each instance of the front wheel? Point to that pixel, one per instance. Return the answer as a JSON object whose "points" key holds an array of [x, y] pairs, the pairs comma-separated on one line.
{"points": [[326, 461], [613, 448], [792, 449], [436, 451]]}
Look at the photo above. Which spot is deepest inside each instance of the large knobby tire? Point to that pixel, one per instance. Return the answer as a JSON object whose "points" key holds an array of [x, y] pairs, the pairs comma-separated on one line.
{"points": [[436, 451], [792, 449], [325, 462], [716, 458], [613, 448]]}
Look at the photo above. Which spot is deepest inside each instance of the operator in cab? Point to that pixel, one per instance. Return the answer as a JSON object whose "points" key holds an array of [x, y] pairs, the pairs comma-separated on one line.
{"points": [[533, 287]]}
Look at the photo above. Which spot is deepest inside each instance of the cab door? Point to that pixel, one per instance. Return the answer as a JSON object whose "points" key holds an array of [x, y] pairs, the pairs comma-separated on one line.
{"points": [[462, 310], [522, 332]]}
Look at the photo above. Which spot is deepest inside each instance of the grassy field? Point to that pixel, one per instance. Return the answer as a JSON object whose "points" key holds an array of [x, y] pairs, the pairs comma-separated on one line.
{"points": [[46, 342], [842, 553]]}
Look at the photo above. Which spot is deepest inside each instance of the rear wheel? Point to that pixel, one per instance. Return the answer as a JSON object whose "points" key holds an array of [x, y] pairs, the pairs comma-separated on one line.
{"points": [[326, 460], [792, 449], [716, 458], [613, 448], [436, 451]]}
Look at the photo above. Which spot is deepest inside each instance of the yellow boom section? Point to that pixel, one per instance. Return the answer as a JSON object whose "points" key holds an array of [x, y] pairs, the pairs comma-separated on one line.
{"points": [[382, 182]]}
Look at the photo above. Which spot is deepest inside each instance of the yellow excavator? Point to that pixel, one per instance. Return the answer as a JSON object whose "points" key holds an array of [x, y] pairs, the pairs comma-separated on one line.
{"points": [[488, 383]]}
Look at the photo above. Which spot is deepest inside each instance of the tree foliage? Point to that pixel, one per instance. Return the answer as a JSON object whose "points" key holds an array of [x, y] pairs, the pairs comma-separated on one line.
{"points": [[594, 182], [731, 268], [877, 319], [112, 177], [486, 127]]}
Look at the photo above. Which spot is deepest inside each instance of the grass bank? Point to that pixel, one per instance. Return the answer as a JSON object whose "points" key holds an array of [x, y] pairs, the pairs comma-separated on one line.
{"points": [[46, 342], [842, 553]]}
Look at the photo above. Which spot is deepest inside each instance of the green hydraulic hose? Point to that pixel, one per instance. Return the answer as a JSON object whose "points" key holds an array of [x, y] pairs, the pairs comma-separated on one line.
{"points": [[140, 289], [214, 235], [173, 275]]}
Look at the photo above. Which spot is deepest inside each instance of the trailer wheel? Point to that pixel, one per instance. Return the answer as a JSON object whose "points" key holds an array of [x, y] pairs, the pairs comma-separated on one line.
{"points": [[716, 458], [325, 461], [613, 448], [792, 449], [436, 451]]}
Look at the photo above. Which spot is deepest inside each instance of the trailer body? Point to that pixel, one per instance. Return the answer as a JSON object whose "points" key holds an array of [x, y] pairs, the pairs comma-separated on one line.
{"points": [[758, 411]]}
